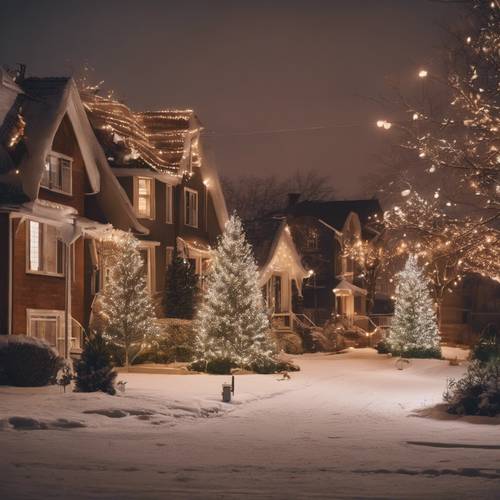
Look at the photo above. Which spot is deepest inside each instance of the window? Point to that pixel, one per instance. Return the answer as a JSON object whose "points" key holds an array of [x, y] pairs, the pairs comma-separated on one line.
{"points": [[169, 216], [312, 239], [190, 207], [57, 173], [144, 197], [45, 250], [46, 325]]}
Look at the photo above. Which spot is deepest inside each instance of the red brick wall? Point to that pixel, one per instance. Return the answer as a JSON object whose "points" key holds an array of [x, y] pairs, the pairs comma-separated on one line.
{"points": [[36, 291]]}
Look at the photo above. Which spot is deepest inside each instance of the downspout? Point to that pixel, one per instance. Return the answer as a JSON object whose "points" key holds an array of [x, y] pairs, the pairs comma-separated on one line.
{"points": [[11, 251], [67, 299]]}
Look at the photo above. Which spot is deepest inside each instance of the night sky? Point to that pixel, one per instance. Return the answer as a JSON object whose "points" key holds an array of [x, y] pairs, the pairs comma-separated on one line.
{"points": [[246, 67]]}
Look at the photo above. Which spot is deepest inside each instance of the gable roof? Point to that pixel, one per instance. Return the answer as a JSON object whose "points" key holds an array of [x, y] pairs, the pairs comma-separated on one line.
{"points": [[43, 103], [274, 249], [335, 213]]}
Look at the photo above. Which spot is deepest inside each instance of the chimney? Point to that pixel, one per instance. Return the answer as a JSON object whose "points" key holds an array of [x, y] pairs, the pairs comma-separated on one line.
{"points": [[293, 198], [21, 73]]}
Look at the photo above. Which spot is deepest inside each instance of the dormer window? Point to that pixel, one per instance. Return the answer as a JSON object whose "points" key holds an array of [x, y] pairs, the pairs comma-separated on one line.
{"points": [[144, 197], [57, 173]]}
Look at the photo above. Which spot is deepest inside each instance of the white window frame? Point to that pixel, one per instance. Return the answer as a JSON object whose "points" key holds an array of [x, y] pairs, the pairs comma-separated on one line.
{"points": [[150, 248], [48, 315], [47, 182], [188, 192], [169, 204], [45, 248], [151, 182]]}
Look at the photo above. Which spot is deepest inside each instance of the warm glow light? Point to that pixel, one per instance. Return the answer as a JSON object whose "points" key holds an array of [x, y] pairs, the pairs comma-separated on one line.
{"points": [[422, 73]]}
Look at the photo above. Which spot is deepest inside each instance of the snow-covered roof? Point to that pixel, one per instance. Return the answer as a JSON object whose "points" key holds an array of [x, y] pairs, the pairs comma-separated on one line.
{"points": [[166, 142], [42, 103], [347, 288], [274, 249]]}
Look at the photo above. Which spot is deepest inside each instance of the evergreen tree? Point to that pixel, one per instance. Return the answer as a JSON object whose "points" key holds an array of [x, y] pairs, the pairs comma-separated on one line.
{"points": [[94, 371], [126, 308], [232, 323], [181, 288], [414, 331]]}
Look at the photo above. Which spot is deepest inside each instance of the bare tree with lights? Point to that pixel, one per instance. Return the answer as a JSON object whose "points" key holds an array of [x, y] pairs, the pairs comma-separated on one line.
{"points": [[457, 220]]}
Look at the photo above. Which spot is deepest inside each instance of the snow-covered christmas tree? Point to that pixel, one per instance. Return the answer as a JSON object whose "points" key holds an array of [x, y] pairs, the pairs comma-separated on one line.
{"points": [[126, 309], [414, 331], [232, 323]]}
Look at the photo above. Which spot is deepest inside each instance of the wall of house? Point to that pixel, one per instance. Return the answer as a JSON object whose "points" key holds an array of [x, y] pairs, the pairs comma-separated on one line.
{"points": [[166, 234], [37, 291], [318, 299], [65, 142], [4, 272]]}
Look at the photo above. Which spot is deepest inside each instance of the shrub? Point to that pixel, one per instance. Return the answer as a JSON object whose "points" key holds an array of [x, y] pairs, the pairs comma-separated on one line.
{"points": [[94, 371], [176, 343], [269, 365], [383, 347], [419, 352], [477, 392], [290, 343], [28, 361], [220, 366], [488, 346]]}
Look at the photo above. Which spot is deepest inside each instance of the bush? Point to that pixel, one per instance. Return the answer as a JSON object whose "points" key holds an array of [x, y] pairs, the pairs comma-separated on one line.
{"points": [[290, 343], [488, 347], [478, 392], [28, 361], [176, 343], [269, 365], [383, 347], [215, 366], [94, 371], [419, 352]]}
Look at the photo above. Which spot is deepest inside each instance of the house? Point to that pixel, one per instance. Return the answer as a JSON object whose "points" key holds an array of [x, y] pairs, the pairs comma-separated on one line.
{"points": [[170, 180], [57, 194], [281, 272], [320, 230]]}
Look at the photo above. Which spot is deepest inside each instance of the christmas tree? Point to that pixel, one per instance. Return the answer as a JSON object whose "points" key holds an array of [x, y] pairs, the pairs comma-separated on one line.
{"points": [[232, 323], [125, 304], [94, 371], [180, 289], [414, 331]]}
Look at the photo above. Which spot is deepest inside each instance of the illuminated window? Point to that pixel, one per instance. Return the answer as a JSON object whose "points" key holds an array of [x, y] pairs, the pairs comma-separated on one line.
{"points": [[45, 249], [57, 173], [169, 218], [144, 202], [190, 207]]}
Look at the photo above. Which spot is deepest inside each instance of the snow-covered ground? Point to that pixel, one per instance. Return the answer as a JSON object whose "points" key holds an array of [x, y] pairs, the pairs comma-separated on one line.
{"points": [[348, 425]]}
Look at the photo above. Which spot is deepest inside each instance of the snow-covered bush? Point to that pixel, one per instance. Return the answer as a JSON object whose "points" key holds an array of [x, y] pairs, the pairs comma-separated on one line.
{"points": [[477, 392], [267, 365], [94, 371], [383, 347], [28, 361], [218, 366]]}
